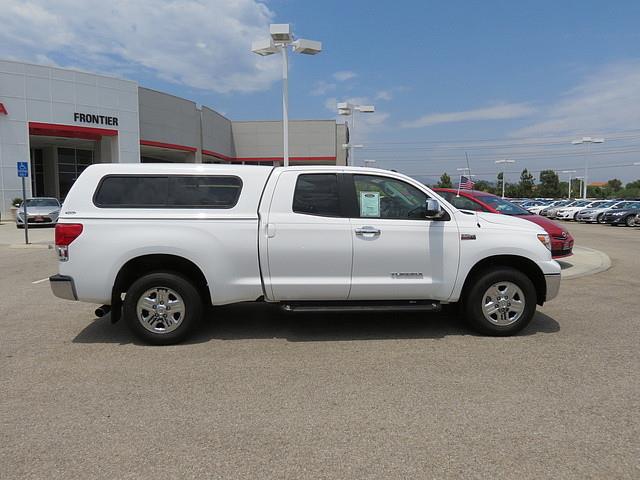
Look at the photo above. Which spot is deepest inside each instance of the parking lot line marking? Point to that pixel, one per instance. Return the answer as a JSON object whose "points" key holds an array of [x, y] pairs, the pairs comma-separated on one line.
{"points": [[40, 281]]}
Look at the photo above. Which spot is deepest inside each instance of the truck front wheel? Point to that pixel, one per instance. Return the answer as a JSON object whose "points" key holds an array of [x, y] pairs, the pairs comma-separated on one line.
{"points": [[500, 302], [162, 308]]}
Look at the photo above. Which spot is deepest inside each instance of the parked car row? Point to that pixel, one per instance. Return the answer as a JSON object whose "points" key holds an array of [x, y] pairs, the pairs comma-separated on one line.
{"points": [[613, 212]]}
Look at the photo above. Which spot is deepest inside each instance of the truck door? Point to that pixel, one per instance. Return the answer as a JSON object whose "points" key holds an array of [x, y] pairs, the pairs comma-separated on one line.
{"points": [[397, 253], [308, 239]]}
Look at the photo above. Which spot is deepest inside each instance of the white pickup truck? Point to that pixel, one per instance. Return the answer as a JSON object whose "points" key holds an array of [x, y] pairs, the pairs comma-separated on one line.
{"points": [[157, 244]]}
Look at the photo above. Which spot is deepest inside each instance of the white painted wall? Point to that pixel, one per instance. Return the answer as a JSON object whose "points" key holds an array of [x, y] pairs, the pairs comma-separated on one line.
{"points": [[35, 93]]}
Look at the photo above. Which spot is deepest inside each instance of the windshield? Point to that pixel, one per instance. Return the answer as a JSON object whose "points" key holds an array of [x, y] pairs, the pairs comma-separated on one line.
{"points": [[503, 206], [42, 202]]}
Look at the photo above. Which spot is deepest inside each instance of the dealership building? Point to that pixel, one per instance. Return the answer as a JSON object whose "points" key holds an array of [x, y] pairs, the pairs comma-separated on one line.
{"points": [[62, 120]]}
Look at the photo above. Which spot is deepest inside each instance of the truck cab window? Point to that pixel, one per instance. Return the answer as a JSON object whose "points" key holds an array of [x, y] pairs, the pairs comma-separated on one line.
{"points": [[317, 194], [383, 197]]}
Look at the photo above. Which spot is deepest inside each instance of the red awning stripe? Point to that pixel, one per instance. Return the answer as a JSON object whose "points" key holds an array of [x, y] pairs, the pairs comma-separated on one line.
{"points": [[211, 153], [70, 131], [168, 146]]}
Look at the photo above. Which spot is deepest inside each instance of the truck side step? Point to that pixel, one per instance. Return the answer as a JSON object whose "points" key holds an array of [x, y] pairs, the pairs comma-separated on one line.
{"points": [[364, 306]]}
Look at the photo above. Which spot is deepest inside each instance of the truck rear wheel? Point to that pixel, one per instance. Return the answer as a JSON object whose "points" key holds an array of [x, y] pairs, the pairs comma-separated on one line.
{"points": [[162, 308], [500, 302]]}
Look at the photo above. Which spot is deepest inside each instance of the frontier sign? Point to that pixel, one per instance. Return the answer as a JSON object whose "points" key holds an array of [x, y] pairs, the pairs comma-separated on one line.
{"points": [[95, 119]]}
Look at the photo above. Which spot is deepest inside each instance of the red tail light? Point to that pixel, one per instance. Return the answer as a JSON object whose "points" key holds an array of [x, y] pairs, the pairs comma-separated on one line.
{"points": [[67, 233]]}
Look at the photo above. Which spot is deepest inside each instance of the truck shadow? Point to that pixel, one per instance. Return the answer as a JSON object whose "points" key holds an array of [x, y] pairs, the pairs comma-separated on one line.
{"points": [[259, 321]]}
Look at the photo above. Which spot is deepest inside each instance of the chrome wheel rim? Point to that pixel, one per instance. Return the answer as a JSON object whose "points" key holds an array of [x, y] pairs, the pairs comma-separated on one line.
{"points": [[503, 303], [160, 310]]}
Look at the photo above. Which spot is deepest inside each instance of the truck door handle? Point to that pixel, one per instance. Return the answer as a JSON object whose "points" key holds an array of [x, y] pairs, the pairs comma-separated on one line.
{"points": [[270, 230], [373, 231]]}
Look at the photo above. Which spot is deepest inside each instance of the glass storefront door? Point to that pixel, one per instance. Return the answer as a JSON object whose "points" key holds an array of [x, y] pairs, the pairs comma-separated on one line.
{"points": [[71, 163]]}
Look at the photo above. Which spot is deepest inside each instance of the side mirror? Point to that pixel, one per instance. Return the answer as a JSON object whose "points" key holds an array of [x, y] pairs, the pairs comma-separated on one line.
{"points": [[433, 210]]}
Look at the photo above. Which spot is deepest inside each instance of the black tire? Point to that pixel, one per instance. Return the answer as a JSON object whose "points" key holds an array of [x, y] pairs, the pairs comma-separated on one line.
{"points": [[166, 282], [630, 221], [600, 218], [19, 226], [474, 299], [575, 217]]}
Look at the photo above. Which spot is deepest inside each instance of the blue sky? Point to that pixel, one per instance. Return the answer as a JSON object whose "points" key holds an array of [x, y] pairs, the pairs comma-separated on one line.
{"points": [[495, 79]]}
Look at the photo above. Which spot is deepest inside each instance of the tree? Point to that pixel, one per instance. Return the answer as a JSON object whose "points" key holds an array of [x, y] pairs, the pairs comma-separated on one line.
{"points": [[511, 190], [576, 185], [633, 185], [526, 184], [614, 185], [549, 184], [597, 192], [445, 181], [483, 186], [499, 182]]}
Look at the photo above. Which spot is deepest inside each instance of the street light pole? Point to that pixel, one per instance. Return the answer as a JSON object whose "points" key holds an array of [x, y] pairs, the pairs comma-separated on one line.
{"points": [[587, 154], [582, 184], [285, 106], [349, 109], [569, 172], [503, 162], [281, 39]]}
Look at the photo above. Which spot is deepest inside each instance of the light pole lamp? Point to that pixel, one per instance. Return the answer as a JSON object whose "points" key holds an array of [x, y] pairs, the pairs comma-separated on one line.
{"points": [[587, 154], [570, 172], [502, 162], [349, 109], [281, 38]]}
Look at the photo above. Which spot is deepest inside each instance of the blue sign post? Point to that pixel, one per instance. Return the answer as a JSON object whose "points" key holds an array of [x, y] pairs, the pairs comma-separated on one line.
{"points": [[23, 169], [23, 172]]}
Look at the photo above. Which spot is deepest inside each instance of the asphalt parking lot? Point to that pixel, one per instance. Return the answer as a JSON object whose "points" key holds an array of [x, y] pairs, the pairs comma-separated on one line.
{"points": [[263, 394]]}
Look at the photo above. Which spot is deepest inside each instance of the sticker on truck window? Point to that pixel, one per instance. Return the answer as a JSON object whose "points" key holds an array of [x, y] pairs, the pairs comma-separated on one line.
{"points": [[369, 204]]}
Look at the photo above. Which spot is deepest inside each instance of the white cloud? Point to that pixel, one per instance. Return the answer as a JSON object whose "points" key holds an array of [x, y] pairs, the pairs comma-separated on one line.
{"points": [[500, 111], [198, 43], [374, 119], [321, 88], [608, 100], [384, 95], [344, 75], [331, 104]]}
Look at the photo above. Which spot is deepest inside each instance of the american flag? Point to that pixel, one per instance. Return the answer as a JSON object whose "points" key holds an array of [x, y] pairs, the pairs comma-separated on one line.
{"points": [[466, 183]]}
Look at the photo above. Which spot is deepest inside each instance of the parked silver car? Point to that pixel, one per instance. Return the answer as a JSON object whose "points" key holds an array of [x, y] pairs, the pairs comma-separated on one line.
{"points": [[597, 214], [40, 211], [551, 210]]}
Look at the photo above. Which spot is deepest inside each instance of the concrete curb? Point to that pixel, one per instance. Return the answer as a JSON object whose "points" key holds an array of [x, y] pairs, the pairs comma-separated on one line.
{"points": [[585, 261]]}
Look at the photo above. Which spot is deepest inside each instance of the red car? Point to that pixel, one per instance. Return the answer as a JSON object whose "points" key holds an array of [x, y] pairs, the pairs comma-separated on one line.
{"points": [[561, 239]]}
